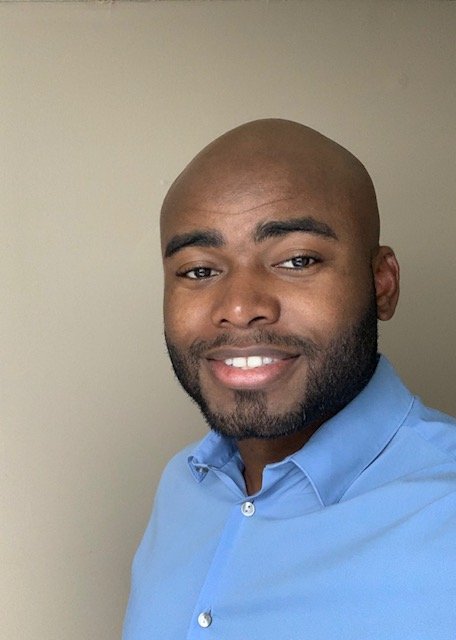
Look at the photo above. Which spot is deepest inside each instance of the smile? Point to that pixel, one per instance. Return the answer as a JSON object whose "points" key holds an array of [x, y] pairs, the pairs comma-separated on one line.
{"points": [[251, 362], [252, 367]]}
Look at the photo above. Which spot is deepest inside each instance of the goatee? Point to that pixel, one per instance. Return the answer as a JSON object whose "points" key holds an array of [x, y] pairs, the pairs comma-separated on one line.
{"points": [[336, 374]]}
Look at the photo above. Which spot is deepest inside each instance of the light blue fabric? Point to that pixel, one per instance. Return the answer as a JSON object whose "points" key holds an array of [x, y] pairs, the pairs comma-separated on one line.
{"points": [[352, 538]]}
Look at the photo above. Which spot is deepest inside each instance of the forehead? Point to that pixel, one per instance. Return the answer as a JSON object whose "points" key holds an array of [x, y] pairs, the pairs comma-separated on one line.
{"points": [[245, 208]]}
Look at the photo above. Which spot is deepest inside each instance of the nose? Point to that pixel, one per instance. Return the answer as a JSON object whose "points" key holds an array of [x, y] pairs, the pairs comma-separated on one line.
{"points": [[244, 301]]}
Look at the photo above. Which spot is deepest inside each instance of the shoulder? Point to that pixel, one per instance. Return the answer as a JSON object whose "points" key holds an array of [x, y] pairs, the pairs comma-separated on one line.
{"points": [[434, 427]]}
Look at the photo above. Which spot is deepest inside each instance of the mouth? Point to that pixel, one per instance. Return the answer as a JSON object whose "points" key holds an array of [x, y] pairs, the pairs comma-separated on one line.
{"points": [[250, 368]]}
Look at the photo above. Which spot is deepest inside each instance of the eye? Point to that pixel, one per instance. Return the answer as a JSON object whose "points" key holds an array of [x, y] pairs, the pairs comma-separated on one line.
{"points": [[199, 273], [297, 262]]}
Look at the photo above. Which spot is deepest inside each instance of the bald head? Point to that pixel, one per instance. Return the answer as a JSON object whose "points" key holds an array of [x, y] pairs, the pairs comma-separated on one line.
{"points": [[255, 161]]}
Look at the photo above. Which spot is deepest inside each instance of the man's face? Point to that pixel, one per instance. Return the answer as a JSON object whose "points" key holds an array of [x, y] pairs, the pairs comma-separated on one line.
{"points": [[270, 313]]}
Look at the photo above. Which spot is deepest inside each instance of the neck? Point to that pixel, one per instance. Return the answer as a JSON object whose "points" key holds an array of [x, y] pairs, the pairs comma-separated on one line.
{"points": [[256, 453]]}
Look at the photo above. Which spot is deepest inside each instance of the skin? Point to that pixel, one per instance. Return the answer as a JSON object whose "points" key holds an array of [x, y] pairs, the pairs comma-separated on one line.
{"points": [[224, 276]]}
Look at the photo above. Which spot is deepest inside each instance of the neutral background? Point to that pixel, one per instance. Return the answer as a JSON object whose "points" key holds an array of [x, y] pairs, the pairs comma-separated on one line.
{"points": [[102, 105]]}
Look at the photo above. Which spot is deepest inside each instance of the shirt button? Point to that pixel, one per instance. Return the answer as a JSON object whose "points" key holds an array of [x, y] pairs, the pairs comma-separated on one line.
{"points": [[248, 509], [204, 619]]}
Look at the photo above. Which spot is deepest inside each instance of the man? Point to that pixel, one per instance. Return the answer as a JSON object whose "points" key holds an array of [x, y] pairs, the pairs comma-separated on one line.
{"points": [[322, 504]]}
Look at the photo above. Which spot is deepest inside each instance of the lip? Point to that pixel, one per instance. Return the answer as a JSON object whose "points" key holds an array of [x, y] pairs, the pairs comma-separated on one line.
{"points": [[256, 378]]}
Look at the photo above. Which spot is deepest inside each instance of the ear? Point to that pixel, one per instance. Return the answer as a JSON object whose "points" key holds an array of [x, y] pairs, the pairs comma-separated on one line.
{"points": [[386, 277]]}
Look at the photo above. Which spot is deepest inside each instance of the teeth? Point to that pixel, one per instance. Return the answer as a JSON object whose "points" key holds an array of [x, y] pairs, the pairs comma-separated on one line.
{"points": [[248, 363]]}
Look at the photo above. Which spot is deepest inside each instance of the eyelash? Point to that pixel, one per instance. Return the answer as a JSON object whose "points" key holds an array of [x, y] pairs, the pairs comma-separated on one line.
{"points": [[208, 273], [308, 260]]}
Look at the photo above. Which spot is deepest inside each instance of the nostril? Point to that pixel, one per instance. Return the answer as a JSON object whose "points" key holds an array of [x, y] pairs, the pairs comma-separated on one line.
{"points": [[258, 319], [247, 321]]}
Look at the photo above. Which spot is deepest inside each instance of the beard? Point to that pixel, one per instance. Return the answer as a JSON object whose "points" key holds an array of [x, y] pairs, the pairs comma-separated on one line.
{"points": [[336, 374]]}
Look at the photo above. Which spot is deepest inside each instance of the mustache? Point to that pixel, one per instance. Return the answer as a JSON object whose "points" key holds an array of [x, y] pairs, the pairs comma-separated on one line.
{"points": [[305, 346]]}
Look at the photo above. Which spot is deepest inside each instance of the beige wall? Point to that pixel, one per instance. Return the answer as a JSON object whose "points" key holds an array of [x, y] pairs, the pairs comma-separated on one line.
{"points": [[102, 103]]}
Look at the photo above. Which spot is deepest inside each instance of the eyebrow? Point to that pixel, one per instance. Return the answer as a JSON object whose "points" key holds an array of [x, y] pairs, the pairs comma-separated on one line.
{"points": [[197, 238], [276, 228], [263, 231]]}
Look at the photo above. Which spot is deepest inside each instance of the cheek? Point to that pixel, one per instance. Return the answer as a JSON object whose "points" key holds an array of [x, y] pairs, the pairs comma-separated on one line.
{"points": [[327, 309], [184, 316], [172, 317]]}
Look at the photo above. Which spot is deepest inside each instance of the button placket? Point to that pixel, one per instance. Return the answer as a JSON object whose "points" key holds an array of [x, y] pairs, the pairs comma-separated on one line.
{"points": [[212, 590]]}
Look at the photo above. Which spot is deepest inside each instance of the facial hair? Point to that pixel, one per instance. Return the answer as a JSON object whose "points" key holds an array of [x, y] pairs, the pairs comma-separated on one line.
{"points": [[336, 374]]}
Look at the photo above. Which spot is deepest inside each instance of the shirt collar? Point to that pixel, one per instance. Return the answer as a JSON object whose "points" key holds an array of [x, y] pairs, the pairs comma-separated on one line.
{"points": [[345, 445], [342, 447], [212, 452]]}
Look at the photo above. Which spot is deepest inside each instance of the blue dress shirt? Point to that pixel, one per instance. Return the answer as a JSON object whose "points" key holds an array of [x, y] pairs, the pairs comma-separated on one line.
{"points": [[351, 538]]}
